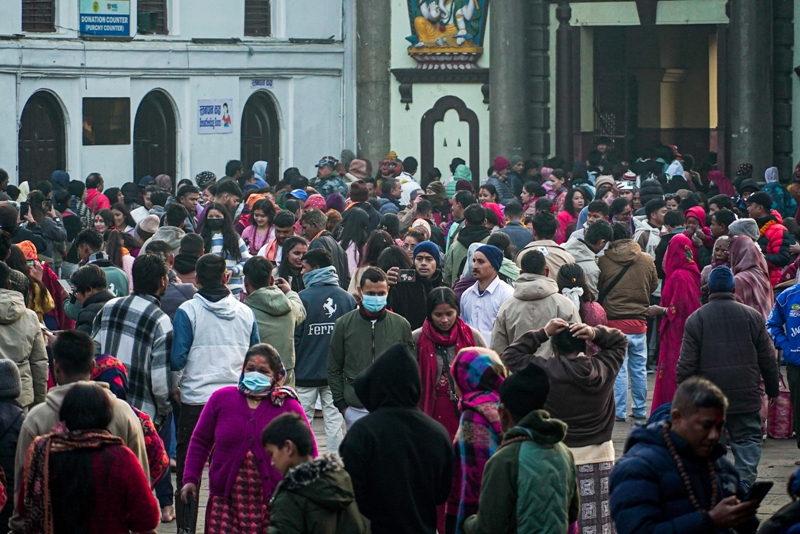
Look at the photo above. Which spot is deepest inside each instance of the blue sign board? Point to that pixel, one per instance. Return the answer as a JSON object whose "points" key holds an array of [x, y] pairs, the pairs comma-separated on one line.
{"points": [[110, 18]]}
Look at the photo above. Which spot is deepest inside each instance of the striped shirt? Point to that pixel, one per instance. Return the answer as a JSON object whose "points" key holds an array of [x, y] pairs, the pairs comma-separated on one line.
{"points": [[236, 284]]}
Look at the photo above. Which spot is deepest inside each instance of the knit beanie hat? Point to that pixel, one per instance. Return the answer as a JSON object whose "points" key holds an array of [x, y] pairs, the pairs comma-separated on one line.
{"points": [[525, 391], [650, 190], [748, 227], [9, 379], [358, 168], [604, 180], [501, 164], [516, 159], [205, 178], [431, 248], [493, 254], [29, 250], [720, 280], [335, 202], [463, 185]]}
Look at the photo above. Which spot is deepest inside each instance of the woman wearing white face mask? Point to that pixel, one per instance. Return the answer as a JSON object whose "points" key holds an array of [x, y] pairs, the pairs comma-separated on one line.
{"points": [[241, 477]]}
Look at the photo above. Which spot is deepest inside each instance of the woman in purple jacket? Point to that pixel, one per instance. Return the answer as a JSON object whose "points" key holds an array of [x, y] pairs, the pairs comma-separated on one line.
{"points": [[241, 477]]}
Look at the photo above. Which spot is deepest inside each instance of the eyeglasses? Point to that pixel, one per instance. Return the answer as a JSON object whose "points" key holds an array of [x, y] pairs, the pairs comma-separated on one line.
{"points": [[624, 215], [670, 196], [408, 246]]}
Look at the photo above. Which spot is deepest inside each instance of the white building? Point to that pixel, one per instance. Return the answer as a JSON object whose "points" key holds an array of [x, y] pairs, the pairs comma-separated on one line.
{"points": [[127, 103]]}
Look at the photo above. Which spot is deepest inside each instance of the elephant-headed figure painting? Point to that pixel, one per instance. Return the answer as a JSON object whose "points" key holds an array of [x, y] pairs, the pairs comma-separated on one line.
{"points": [[447, 32]]}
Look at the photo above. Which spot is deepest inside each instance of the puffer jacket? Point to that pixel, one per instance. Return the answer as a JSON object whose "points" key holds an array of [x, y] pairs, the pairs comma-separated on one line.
{"points": [[11, 419], [529, 485], [774, 240], [630, 298], [536, 300], [22, 342], [316, 496], [89, 309], [277, 315], [648, 494], [587, 259], [355, 343], [727, 342]]}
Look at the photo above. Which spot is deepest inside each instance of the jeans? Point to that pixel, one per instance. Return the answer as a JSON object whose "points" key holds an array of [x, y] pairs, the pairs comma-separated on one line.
{"points": [[635, 365], [164, 486], [353, 414], [745, 441], [333, 419], [793, 381]]}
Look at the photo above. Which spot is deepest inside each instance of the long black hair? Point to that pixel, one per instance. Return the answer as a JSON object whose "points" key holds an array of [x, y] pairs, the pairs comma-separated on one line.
{"points": [[378, 241], [72, 473], [390, 223], [115, 241], [230, 239], [354, 230], [394, 256], [123, 209], [568, 206], [284, 270], [572, 275]]}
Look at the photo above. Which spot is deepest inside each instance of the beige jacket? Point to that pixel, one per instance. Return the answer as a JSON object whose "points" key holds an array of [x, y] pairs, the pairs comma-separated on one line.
{"points": [[42, 418], [536, 300], [554, 254], [22, 341]]}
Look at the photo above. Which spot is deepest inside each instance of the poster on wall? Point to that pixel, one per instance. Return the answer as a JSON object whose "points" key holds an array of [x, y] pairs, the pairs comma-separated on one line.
{"points": [[214, 116], [110, 18]]}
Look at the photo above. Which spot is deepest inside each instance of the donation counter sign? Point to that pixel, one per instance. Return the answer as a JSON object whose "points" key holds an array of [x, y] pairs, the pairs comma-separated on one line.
{"points": [[214, 116], [110, 18]]}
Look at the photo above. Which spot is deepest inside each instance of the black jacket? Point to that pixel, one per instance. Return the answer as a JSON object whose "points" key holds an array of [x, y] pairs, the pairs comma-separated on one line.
{"points": [[11, 419], [727, 343], [400, 460], [90, 308], [325, 240], [410, 299]]}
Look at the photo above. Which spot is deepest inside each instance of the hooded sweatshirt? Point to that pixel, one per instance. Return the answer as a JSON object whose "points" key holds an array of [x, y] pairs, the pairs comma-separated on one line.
{"points": [[277, 314], [212, 333], [422, 455], [324, 302], [536, 300], [21, 342], [316, 496], [587, 259]]}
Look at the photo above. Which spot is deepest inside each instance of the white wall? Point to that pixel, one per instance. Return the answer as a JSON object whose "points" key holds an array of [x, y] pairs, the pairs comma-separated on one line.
{"points": [[405, 124]]}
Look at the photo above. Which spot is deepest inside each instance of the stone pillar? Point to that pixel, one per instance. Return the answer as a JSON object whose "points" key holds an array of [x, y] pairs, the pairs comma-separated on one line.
{"points": [[508, 113], [564, 124], [373, 80], [538, 93], [750, 90], [782, 43]]}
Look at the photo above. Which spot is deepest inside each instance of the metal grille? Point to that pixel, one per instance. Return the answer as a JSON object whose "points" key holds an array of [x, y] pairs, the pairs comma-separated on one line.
{"points": [[38, 15], [160, 8], [257, 18]]}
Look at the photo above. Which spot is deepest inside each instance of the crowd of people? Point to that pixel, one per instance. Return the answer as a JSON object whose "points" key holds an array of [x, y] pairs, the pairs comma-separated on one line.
{"points": [[469, 344]]}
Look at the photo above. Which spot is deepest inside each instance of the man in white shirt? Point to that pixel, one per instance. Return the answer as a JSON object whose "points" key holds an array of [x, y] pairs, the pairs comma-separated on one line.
{"points": [[481, 302]]}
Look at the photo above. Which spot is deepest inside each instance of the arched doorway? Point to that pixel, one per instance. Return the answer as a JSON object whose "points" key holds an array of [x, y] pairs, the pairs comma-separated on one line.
{"points": [[154, 137], [42, 140], [261, 134]]}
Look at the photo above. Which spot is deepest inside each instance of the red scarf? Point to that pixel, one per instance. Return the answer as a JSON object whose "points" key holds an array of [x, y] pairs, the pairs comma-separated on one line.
{"points": [[460, 336]]}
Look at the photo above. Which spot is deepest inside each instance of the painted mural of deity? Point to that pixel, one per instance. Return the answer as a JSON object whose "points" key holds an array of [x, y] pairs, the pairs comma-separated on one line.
{"points": [[447, 26]]}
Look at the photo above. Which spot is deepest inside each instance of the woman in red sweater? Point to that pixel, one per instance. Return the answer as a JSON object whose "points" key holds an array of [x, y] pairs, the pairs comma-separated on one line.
{"points": [[577, 198], [69, 484]]}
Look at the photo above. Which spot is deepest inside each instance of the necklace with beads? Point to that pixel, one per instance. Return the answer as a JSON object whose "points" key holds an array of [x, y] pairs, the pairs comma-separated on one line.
{"points": [[685, 477]]}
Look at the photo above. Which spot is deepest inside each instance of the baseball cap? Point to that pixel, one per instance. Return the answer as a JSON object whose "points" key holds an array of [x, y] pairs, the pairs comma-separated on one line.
{"points": [[762, 198], [299, 194], [327, 160]]}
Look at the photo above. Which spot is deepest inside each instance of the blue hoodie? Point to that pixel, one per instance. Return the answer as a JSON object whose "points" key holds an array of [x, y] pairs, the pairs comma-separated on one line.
{"points": [[783, 324], [324, 302], [648, 495]]}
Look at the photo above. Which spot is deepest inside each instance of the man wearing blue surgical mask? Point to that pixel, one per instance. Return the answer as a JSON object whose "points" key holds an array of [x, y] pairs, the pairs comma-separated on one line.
{"points": [[361, 336]]}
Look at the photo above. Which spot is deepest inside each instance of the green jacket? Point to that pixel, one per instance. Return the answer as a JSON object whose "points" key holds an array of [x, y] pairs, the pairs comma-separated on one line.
{"points": [[452, 263], [529, 486], [316, 497], [355, 343], [277, 314], [116, 282]]}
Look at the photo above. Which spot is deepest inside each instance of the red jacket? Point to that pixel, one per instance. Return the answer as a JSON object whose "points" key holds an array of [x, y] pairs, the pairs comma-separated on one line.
{"points": [[97, 201], [774, 240]]}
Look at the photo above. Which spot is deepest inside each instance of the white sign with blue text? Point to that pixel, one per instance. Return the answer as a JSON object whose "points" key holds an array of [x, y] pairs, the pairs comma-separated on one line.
{"points": [[214, 116]]}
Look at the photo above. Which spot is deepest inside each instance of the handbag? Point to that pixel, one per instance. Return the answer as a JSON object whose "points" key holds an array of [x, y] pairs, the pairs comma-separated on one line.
{"points": [[188, 514], [781, 417]]}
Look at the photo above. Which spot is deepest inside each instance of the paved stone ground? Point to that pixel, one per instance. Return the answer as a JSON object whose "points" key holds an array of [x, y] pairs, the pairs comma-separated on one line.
{"points": [[777, 463]]}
